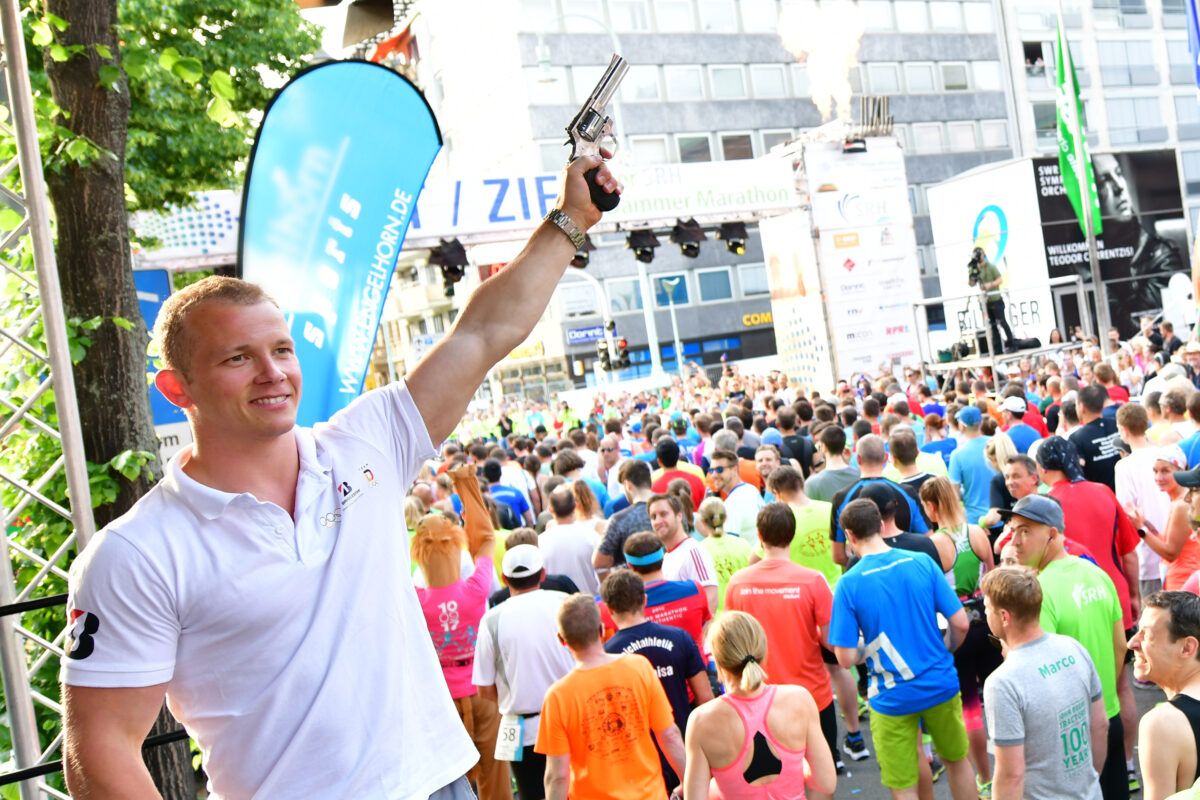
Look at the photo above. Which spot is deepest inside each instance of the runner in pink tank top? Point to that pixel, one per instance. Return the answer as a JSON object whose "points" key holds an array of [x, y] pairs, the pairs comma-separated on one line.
{"points": [[785, 766]]}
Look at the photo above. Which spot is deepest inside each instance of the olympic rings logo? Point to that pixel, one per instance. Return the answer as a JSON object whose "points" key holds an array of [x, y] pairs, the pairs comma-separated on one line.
{"points": [[331, 519]]}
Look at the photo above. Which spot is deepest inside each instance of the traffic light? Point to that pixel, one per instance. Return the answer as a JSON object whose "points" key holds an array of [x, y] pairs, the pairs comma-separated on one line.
{"points": [[603, 356], [734, 234], [451, 257], [688, 235], [581, 255], [620, 358]]}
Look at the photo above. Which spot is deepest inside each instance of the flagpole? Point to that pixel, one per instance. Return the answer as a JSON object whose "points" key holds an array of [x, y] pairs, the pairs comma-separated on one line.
{"points": [[1087, 197]]}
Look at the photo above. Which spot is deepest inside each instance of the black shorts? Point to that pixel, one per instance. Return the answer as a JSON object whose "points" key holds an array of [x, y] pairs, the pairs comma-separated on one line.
{"points": [[827, 656]]}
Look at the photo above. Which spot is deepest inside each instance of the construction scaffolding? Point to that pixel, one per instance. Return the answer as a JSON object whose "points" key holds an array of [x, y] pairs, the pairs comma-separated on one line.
{"points": [[38, 410]]}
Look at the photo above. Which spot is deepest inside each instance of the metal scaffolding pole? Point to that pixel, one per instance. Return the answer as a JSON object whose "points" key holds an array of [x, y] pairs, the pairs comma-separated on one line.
{"points": [[18, 647]]}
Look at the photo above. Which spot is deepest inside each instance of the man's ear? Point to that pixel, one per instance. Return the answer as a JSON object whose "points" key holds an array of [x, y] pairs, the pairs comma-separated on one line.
{"points": [[172, 385]]}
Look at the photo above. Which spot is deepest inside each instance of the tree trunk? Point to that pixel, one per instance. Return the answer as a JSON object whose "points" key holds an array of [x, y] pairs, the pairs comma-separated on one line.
{"points": [[97, 281]]}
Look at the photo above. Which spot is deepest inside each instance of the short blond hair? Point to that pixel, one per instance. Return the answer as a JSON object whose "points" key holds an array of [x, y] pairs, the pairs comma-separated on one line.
{"points": [[170, 329]]}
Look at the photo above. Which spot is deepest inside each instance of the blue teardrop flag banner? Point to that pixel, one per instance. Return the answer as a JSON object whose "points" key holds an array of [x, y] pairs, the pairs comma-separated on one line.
{"points": [[341, 155]]}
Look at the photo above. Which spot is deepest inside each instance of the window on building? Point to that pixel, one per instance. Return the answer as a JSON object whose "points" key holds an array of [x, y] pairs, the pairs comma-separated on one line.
{"points": [[583, 80], [768, 80], [954, 77], [977, 17], [551, 93], [987, 76], [534, 14], [694, 147], [439, 323], [624, 295], [553, 155], [773, 138], [1120, 61], [715, 285], [684, 82], [912, 201], [577, 299], [1174, 7], [1178, 54], [1130, 117], [912, 16], [1035, 58], [629, 16], [753, 278], [946, 16], [995, 133], [1045, 123], [649, 149], [883, 78], [1187, 110], [728, 82], [901, 132], [670, 288], [1191, 171], [800, 87], [962, 136], [735, 146], [674, 16], [927, 137], [919, 79], [640, 84], [759, 16], [574, 13], [718, 16], [876, 15]]}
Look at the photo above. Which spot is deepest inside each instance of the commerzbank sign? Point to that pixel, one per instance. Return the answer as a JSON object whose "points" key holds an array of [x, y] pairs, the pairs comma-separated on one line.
{"points": [[497, 205]]}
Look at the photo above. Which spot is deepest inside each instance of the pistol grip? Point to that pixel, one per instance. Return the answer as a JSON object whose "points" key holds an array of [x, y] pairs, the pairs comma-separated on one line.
{"points": [[605, 201]]}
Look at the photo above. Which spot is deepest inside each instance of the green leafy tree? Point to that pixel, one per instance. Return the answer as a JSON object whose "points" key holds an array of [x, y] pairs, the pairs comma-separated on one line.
{"points": [[140, 102]]}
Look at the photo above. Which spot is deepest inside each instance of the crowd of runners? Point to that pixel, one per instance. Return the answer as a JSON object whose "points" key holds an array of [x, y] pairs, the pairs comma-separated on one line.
{"points": [[683, 591]]}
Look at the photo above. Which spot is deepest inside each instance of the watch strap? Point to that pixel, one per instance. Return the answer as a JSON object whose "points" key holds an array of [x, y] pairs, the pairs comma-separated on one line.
{"points": [[567, 226]]}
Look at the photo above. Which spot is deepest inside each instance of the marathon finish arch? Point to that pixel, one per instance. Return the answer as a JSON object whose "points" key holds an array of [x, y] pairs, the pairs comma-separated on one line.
{"points": [[338, 163]]}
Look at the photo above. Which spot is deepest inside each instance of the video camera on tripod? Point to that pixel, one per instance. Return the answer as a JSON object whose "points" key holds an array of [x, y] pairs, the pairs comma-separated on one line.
{"points": [[975, 265]]}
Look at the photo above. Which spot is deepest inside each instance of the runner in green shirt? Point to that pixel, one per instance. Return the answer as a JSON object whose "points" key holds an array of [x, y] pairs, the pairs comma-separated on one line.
{"points": [[1080, 601], [811, 546], [729, 553]]}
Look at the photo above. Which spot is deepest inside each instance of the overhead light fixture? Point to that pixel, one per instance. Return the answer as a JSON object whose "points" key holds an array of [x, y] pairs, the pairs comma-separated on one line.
{"points": [[451, 257], [734, 235], [642, 243], [688, 235], [581, 255], [545, 68]]}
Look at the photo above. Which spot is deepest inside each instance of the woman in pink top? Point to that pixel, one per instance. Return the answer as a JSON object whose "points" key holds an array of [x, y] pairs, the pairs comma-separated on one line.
{"points": [[1177, 544], [756, 741], [453, 606]]}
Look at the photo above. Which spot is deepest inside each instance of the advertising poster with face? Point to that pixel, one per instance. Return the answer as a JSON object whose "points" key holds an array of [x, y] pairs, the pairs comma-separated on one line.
{"points": [[1144, 236]]}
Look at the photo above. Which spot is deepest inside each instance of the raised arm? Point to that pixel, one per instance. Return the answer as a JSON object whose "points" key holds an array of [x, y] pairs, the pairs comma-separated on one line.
{"points": [[102, 745], [503, 310], [477, 522]]}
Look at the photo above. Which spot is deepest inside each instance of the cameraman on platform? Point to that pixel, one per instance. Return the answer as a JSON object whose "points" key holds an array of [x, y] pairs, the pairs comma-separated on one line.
{"points": [[983, 272]]}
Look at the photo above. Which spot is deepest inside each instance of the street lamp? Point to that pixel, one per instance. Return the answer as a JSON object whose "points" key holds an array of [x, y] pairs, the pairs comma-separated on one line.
{"points": [[669, 285], [542, 52]]}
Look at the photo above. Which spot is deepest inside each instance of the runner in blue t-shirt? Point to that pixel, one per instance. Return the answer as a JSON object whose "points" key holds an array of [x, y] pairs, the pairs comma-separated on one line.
{"points": [[969, 467], [893, 598]]}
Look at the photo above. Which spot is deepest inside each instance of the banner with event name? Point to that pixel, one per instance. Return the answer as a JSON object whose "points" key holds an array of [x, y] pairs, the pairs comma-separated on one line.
{"points": [[341, 156]]}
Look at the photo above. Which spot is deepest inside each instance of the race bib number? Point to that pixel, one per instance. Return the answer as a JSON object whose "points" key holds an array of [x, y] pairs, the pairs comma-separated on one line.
{"points": [[510, 739]]}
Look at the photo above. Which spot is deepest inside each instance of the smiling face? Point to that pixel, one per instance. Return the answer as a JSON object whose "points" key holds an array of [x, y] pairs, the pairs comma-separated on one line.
{"points": [[1018, 480], [664, 520], [243, 380], [724, 475], [1164, 476], [766, 459]]}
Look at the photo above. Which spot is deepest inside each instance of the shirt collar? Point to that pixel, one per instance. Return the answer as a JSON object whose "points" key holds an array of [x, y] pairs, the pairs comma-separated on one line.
{"points": [[211, 503]]}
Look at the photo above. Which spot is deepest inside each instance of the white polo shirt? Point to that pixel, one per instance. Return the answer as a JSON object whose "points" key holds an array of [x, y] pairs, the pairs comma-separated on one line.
{"points": [[518, 651], [567, 550], [295, 654]]}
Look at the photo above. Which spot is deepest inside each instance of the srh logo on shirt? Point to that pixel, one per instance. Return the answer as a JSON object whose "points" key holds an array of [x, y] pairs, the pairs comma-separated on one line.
{"points": [[1084, 595], [84, 624]]}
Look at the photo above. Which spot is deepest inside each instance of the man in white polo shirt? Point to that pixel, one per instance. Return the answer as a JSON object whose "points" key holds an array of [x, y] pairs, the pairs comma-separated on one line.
{"points": [[518, 657], [742, 501], [260, 587]]}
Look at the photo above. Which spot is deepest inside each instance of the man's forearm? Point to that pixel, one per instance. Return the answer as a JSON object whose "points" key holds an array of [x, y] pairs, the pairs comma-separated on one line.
{"points": [[1007, 786]]}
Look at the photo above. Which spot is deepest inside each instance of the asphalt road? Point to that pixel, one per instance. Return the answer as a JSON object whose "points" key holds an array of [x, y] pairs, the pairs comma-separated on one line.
{"points": [[861, 778]]}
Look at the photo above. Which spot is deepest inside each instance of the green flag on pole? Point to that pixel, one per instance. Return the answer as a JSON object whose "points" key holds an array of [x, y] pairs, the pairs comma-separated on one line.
{"points": [[1074, 163]]}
